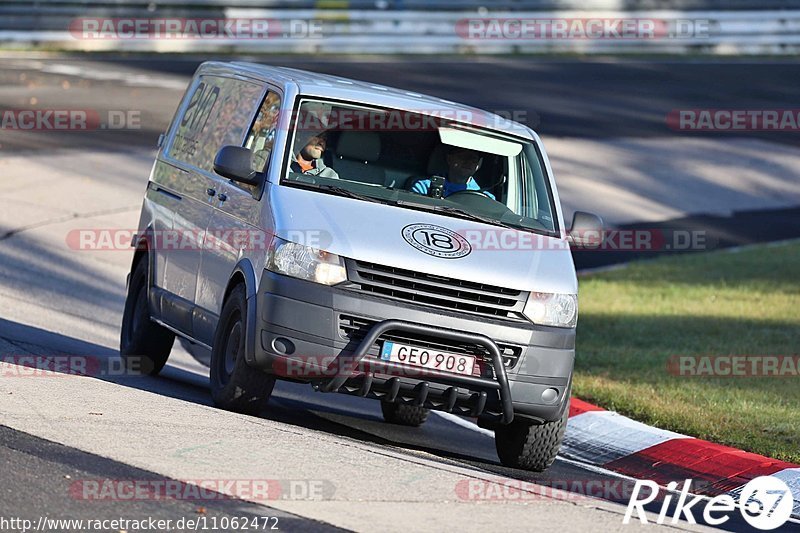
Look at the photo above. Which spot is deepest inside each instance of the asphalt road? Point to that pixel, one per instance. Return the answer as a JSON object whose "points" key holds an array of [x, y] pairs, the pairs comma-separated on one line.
{"points": [[587, 99], [37, 472], [58, 300]]}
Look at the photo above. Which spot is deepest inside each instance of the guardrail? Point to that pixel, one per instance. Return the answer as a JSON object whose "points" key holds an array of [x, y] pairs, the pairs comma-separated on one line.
{"points": [[432, 5], [317, 31]]}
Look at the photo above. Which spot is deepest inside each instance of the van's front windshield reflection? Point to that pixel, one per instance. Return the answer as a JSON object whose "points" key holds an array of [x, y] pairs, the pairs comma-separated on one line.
{"points": [[418, 161]]}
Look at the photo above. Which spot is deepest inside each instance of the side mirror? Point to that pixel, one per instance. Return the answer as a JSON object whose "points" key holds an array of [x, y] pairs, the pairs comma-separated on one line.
{"points": [[236, 163], [587, 230]]}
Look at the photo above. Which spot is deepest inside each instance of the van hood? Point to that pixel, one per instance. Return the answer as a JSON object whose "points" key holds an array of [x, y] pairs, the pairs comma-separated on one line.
{"points": [[423, 241]]}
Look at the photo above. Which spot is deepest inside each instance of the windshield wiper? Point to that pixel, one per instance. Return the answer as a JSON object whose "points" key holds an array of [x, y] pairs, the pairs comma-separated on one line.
{"points": [[341, 191], [462, 213], [457, 212]]}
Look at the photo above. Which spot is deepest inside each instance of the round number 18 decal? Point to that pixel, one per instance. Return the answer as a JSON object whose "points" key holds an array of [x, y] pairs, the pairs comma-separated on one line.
{"points": [[436, 241]]}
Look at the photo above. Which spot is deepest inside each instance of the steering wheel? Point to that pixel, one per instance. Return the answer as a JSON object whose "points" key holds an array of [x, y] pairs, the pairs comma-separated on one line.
{"points": [[473, 192], [479, 201]]}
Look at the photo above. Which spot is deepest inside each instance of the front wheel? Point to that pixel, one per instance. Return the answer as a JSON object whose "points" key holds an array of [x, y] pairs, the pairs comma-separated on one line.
{"points": [[529, 446], [404, 415], [144, 345], [235, 385]]}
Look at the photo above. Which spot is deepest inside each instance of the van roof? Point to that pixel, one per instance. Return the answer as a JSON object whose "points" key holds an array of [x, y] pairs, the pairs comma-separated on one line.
{"points": [[336, 87]]}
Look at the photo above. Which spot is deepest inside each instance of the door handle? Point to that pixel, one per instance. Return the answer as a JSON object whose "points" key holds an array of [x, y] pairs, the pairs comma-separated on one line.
{"points": [[168, 193], [223, 197], [154, 187], [211, 192]]}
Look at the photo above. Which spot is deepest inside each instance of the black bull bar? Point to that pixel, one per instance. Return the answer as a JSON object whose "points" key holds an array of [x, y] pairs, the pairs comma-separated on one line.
{"points": [[347, 363]]}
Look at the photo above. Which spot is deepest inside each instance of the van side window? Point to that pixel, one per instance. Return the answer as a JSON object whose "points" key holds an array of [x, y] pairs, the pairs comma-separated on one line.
{"points": [[219, 113], [262, 135]]}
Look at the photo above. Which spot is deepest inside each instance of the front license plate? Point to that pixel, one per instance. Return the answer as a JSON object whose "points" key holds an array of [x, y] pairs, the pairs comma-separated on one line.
{"points": [[427, 358]]}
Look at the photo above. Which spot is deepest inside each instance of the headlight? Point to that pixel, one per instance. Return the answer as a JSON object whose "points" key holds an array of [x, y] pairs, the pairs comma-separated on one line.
{"points": [[306, 263], [560, 310]]}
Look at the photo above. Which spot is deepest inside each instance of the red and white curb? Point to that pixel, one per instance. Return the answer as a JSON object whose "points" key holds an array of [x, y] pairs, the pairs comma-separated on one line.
{"points": [[614, 442]]}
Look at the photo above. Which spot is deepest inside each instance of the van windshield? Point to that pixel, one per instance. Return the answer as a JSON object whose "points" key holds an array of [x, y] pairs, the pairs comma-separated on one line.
{"points": [[418, 161]]}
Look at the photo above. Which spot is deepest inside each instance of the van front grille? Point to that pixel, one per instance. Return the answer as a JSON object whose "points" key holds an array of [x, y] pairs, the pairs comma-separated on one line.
{"points": [[437, 291], [355, 328]]}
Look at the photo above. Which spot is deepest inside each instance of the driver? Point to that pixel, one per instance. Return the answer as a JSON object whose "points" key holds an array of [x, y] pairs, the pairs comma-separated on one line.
{"points": [[310, 146], [462, 163]]}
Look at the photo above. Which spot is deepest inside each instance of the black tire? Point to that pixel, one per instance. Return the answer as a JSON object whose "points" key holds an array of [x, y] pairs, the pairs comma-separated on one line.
{"points": [[143, 344], [403, 414], [235, 385], [529, 446]]}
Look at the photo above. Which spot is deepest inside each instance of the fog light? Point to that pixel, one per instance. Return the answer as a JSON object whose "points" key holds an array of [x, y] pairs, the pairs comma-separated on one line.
{"points": [[550, 396], [283, 346]]}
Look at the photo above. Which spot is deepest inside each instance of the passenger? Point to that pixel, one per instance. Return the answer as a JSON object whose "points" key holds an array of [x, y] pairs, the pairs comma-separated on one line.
{"points": [[308, 158], [462, 163]]}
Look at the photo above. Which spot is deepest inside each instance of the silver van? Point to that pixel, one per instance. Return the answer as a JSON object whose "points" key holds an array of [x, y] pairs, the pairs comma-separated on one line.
{"points": [[365, 240]]}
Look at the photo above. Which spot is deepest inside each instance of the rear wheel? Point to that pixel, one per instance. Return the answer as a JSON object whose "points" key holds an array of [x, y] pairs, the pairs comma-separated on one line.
{"points": [[144, 345], [404, 415], [529, 446], [235, 385]]}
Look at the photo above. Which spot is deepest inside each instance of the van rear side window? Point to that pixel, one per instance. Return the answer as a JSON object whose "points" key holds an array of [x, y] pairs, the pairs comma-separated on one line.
{"points": [[219, 113]]}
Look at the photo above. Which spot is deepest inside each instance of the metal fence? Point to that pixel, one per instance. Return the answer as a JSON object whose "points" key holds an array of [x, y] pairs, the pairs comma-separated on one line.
{"points": [[432, 5], [391, 27]]}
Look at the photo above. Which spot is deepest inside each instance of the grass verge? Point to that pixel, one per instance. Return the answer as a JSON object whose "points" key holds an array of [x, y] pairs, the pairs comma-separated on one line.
{"points": [[744, 302]]}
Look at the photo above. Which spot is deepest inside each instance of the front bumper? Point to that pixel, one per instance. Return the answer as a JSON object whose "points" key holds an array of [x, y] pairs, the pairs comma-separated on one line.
{"points": [[301, 332]]}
